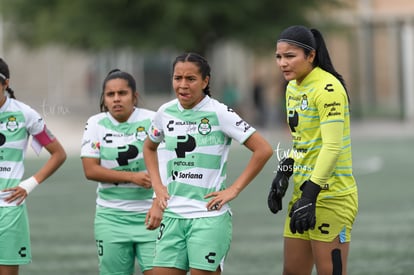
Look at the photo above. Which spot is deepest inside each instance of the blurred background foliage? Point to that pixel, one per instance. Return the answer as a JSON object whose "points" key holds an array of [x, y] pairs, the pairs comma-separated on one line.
{"points": [[154, 24], [60, 50]]}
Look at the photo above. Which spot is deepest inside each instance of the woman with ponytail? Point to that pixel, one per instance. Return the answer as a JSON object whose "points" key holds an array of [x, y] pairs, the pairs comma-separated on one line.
{"points": [[324, 203], [18, 122], [125, 219]]}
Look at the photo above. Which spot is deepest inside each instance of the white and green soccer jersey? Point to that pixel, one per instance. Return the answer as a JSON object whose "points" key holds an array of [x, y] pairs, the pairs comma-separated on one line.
{"points": [[17, 122], [320, 100], [194, 160], [119, 147]]}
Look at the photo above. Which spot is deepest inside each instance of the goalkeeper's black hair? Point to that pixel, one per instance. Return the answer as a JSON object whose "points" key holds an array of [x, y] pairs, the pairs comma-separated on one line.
{"points": [[114, 74], [308, 40], [4, 75]]}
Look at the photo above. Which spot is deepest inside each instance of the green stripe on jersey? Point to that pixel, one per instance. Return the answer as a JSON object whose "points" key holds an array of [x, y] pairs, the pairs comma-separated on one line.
{"points": [[191, 115], [12, 154], [125, 127], [125, 193], [203, 161], [189, 191]]}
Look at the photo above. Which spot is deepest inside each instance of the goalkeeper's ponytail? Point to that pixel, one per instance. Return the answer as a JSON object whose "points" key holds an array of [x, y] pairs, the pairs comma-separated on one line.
{"points": [[312, 40], [322, 58]]}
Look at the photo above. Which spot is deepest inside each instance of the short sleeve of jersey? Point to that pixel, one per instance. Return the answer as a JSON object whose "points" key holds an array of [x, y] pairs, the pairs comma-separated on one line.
{"points": [[34, 123], [90, 140], [331, 102], [233, 125], [156, 133]]}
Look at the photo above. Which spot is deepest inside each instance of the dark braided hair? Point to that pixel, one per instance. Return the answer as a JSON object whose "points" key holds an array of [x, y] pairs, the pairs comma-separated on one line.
{"points": [[4, 75], [114, 74], [308, 40], [201, 63]]}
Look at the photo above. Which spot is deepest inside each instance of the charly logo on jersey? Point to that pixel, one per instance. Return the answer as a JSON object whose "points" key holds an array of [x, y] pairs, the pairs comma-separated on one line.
{"points": [[141, 134], [304, 103], [12, 125], [204, 127], [169, 126], [211, 257], [23, 252]]}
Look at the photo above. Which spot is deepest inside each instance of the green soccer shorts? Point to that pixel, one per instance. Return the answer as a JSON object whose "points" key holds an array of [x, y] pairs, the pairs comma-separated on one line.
{"points": [[199, 243], [120, 240], [15, 236]]}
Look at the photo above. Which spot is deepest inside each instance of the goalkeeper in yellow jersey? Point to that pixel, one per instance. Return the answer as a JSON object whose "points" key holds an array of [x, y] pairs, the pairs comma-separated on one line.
{"points": [[324, 203]]}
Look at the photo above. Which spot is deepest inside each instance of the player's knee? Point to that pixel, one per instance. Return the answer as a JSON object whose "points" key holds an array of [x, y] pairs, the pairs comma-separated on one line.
{"points": [[336, 262]]}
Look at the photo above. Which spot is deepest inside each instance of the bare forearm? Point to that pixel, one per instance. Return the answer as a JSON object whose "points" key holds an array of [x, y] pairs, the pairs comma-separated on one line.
{"points": [[151, 162], [102, 174], [262, 152], [253, 168], [57, 158]]}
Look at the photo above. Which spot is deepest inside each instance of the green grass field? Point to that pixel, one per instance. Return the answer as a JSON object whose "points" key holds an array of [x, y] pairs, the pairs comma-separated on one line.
{"points": [[62, 209]]}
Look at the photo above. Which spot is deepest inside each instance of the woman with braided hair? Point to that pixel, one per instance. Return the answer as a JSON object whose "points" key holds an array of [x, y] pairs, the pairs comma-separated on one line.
{"points": [[325, 201]]}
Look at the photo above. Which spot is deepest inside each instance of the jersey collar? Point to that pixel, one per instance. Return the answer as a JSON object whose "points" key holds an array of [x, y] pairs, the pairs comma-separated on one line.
{"points": [[197, 107], [311, 76], [130, 119]]}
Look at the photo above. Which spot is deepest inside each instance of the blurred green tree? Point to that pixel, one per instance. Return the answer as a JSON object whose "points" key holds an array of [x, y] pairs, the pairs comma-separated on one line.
{"points": [[153, 24]]}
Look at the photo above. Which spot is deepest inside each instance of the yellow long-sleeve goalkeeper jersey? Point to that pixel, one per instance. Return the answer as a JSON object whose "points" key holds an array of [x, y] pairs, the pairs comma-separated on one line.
{"points": [[318, 117]]}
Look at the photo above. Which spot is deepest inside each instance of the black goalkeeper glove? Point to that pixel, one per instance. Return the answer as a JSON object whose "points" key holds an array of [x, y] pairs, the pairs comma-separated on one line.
{"points": [[280, 184], [302, 213]]}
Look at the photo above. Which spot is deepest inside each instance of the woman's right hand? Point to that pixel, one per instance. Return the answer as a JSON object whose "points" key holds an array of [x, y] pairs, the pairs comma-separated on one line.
{"points": [[141, 179], [154, 216]]}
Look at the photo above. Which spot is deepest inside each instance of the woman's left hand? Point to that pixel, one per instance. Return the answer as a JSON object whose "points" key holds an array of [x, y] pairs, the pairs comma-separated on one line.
{"points": [[154, 216], [220, 198], [16, 193]]}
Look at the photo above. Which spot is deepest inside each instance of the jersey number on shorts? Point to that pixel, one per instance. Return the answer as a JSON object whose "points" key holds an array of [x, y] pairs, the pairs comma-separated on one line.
{"points": [[99, 246], [162, 227]]}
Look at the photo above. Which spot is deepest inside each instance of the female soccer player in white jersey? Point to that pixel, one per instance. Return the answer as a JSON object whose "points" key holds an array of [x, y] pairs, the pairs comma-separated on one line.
{"points": [[324, 203], [18, 122], [189, 178], [112, 155]]}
